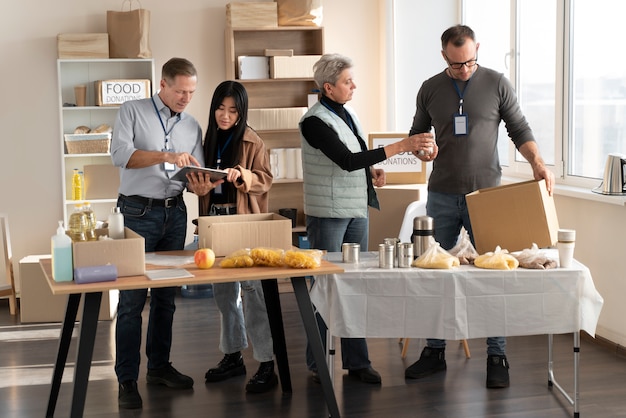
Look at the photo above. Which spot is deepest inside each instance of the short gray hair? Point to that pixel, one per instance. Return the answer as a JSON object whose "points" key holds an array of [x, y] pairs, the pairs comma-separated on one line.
{"points": [[328, 69]]}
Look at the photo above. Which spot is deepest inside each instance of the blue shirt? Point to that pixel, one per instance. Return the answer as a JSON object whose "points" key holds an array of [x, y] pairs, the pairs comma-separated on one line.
{"points": [[137, 127]]}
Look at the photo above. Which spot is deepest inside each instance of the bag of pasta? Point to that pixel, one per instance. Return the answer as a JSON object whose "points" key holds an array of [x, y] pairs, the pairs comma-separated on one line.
{"points": [[532, 258], [238, 259], [498, 260], [436, 257], [267, 257], [303, 259], [464, 250]]}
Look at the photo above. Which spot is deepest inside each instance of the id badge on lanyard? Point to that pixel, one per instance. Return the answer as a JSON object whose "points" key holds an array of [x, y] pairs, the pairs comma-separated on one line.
{"points": [[459, 120], [168, 166]]}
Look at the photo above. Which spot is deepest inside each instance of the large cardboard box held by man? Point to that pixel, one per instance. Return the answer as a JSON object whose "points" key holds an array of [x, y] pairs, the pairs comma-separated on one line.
{"points": [[513, 217], [226, 234]]}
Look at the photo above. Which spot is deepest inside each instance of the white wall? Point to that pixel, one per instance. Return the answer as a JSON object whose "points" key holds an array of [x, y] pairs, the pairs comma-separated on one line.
{"points": [[30, 180]]}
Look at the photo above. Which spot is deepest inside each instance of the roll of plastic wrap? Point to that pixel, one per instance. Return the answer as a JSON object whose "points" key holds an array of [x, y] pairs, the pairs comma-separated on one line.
{"points": [[93, 274], [282, 163], [299, 163], [274, 163], [291, 158]]}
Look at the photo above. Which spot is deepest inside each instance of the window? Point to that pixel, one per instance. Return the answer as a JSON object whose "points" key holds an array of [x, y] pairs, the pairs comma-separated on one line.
{"points": [[564, 59]]}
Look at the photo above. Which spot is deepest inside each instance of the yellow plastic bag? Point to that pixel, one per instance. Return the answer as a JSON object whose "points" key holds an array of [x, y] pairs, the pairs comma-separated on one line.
{"points": [[303, 259], [238, 259], [498, 260], [436, 257]]}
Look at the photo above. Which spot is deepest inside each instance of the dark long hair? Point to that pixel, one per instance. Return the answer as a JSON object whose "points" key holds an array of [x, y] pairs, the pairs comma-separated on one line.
{"points": [[239, 94]]}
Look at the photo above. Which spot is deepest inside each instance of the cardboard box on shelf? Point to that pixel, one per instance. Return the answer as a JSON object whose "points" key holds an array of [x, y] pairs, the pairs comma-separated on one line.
{"points": [[513, 216], [102, 181], [38, 304], [252, 14], [253, 67], [275, 118], [297, 66], [82, 45], [127, 254], [226, 234]]}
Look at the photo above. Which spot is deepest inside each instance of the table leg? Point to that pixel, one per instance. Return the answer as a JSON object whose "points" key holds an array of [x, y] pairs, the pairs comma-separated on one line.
{"points": [[86, 339], [552, 380], [315, 341], [275, 315], [64, 345]]}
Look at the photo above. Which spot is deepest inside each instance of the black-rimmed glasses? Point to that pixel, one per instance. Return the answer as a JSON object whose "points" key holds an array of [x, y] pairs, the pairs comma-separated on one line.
{"points": [[459, 65]]}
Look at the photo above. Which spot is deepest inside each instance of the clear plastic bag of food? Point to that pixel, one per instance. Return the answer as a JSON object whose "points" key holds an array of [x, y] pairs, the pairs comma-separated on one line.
{"points": [[303, 259], [238, 259], [268, 257], [532, 258], [464, 250], [497, 260], [436, 257]]}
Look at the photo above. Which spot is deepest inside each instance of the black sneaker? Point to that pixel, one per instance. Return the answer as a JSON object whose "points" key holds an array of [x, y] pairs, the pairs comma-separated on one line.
{"points": [[169, 377], [264, 379], [497, 372], [230, 366], [366, 375], [129, 397], [432, 360]]}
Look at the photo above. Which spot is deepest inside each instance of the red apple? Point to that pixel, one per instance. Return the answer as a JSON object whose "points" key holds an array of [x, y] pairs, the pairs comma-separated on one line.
{"points": [[204, 258]]}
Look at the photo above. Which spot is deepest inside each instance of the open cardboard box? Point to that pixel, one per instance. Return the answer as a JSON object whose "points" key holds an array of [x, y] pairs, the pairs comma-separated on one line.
{"points": [[226, 234], [127, 254], [513, 216]]}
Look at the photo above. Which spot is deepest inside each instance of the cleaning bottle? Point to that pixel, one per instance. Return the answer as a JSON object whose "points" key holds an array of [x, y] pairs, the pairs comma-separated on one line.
{"points": [[61, 255], [116, 224]]}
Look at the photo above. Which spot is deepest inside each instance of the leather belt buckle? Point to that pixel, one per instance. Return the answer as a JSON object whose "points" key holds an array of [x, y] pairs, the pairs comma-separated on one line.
{"points": [[170, 202]]}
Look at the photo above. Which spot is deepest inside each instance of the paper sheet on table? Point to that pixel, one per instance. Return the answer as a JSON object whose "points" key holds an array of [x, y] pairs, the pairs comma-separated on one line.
{"points": [[168, 260], [168, 274]]}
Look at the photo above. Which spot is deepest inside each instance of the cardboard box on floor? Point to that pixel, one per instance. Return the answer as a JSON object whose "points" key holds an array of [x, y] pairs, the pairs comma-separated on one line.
{"points": [[38, 304], [127, 254], [226, 234], [513, 217]]}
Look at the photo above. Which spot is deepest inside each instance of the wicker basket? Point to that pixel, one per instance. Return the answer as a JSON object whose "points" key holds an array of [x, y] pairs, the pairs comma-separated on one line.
{"points": [[88, 143]]}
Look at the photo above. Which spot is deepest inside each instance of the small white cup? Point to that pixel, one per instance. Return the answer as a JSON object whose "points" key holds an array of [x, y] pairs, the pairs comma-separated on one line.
{"points": [[566, 244]]}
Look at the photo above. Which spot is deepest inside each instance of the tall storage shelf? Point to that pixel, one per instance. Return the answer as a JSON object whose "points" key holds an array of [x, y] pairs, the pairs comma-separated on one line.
{"points": [[276, 93], [73, 72]]}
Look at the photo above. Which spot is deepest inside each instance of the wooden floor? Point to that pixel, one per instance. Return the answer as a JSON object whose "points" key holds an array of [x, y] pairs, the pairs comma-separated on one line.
{"points": [[28, 351]]}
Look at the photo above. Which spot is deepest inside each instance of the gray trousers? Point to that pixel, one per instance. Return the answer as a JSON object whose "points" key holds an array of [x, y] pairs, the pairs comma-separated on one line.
{"points": [[233, 336]]}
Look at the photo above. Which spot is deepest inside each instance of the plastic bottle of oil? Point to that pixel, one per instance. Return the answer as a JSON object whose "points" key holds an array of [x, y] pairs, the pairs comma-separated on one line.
{"points": [[77, 185], [90, 231], [78, 224]]}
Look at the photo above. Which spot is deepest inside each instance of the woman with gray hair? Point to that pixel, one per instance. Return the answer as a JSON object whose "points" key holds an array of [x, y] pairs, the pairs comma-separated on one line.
{"points": [[338, 183]]}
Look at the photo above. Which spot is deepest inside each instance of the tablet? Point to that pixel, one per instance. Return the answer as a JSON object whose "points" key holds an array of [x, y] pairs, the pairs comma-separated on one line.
{"points": [[216, 174]]}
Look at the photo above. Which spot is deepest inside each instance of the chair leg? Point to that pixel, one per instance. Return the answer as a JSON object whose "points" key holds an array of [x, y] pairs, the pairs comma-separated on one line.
{"points": [[405, 346], [466, 348]]}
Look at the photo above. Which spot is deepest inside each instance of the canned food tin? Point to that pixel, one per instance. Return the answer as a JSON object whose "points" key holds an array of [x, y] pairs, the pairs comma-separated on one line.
{"points": [[385, 256], [394, 242], [350, 252], [405, 254]]}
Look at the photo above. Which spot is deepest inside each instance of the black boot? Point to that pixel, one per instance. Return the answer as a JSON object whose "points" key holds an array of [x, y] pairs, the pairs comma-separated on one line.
{"points": [[230, 366], [264, 379]]}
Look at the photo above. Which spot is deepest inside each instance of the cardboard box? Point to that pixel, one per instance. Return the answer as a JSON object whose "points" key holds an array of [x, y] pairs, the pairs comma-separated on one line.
{"points": [[252, 14], [298, 66], [102, 181], [513, 217], [127, 254], [226, 234], [271, 52], [38, 304], [275, 118], [116, 92], [83, 45], [253, 68]]}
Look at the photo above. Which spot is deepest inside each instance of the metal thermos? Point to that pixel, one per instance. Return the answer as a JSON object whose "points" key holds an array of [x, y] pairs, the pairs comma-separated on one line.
{"points": [[423, 231]]}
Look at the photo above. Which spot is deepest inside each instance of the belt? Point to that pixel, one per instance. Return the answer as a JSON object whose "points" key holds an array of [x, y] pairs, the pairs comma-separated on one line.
{"points": [[218, 209], [148, 201]]}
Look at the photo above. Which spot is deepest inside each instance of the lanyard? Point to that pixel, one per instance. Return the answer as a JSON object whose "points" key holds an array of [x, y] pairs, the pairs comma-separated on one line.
{"points": [[220, 151], [349, 119], [165, 131], [460, 93]]}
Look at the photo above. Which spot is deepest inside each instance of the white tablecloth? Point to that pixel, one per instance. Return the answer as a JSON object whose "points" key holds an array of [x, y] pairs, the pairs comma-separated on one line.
{"points": [[461, 303]]}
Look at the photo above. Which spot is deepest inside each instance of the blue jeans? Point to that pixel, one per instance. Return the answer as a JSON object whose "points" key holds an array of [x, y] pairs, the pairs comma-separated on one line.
{"points": [[163, 229], [449, 213], [328, 234]]}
